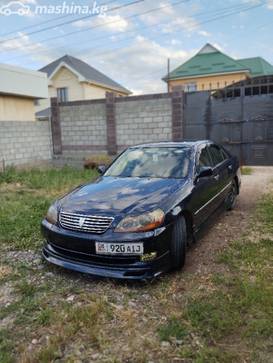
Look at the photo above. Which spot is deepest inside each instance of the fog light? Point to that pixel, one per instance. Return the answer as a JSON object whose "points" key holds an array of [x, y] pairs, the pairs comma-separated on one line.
{"points": [[148, 256]]}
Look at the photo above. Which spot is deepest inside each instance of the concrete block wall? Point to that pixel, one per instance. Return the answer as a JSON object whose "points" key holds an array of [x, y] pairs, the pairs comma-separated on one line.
{"points": [[140, 121], [25, 142], [83, 129]]}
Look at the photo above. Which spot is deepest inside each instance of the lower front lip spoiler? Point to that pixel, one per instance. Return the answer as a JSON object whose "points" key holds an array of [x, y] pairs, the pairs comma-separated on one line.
{"points": [[145, 273]]}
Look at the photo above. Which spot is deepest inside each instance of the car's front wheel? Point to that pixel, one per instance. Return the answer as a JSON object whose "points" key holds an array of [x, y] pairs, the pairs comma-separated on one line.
{"points": [[231, 197], [179, 243]]}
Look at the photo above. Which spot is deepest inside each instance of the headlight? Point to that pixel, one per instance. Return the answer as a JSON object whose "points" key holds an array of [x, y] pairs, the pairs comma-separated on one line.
{"points": [[142, 223], [52, 214]]}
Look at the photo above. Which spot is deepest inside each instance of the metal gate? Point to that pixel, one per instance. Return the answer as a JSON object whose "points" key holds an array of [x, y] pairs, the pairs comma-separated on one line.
{"points": [[240, 117]]}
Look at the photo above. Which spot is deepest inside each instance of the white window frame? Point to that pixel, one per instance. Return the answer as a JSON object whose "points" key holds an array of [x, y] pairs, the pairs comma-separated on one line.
{"points": [[190, 87], [62, 94]]}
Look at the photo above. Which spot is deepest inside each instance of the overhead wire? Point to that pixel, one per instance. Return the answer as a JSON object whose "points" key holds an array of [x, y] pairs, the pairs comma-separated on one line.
{"points": [[71, 21], [222, 12]]}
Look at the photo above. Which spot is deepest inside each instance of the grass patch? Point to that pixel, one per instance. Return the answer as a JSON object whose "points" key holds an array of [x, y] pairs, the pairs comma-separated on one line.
{"points": [[26, 289], [246, 170], [73, 322], [264, 213], [5, 347], [209, 355], [225, 312], [214, 316], [20, 217], [173, 329], [45, 316], [22, 210], [48, 179]]}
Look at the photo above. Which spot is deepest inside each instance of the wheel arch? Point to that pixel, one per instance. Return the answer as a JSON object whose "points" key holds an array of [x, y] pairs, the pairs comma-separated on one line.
{"points": [[236, 179]]}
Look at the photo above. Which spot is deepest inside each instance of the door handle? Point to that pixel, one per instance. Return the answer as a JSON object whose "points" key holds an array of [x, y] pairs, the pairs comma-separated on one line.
{"points": [[230, 167], [216, 177]]}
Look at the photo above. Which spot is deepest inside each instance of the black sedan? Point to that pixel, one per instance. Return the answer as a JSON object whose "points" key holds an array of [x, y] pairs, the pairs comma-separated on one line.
{"points": [[136, 220]]}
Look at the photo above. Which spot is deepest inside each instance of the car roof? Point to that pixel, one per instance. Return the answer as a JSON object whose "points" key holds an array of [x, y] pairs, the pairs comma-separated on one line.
{"points": [[190, 144]]}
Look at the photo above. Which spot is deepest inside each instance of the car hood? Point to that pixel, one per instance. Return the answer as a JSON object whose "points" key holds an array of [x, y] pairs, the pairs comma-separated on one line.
{"points": [[119, 196]]}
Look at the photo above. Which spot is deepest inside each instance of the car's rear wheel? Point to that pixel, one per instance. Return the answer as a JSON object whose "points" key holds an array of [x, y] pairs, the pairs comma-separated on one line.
{"points": [[179, 244], [231, 197]]}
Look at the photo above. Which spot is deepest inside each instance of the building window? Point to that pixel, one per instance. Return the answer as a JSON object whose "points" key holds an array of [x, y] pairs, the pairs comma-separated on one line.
{"points": [[36, 102], [210, 86], [62, 94], [218, 84], [203, 86], [190, 87]]}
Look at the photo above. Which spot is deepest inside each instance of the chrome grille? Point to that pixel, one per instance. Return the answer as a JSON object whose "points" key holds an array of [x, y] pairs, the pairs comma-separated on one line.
{"points": [[85, 223]]}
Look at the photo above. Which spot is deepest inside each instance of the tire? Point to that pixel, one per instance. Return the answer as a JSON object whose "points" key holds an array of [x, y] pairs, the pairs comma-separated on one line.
{"points": [[179, 244], [231, 197]]}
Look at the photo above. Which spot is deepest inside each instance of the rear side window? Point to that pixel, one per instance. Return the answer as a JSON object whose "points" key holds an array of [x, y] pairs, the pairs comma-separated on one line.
{"points": [[204, 158], [217, 155]]}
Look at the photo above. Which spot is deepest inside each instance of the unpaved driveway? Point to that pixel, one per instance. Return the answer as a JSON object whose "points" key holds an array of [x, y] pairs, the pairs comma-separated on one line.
{"points": [[230, 225]]}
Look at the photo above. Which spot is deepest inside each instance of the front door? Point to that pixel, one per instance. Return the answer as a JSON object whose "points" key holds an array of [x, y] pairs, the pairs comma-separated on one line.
{"points": [[221, 172], [204, 189]]}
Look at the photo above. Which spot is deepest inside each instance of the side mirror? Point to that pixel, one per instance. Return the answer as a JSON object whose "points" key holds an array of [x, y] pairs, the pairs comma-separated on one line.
{"points": [[204, 172], [101, 169]]}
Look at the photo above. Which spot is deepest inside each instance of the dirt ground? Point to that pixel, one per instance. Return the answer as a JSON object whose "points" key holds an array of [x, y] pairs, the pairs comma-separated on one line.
{"points": [[229, 225]]}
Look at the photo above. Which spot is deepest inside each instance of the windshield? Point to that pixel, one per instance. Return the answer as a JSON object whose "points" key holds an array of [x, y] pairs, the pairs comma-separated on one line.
{"points": [[152, 162]]}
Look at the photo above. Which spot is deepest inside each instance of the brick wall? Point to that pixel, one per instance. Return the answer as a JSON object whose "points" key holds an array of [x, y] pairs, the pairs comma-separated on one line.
{"points": [[24, 142]]}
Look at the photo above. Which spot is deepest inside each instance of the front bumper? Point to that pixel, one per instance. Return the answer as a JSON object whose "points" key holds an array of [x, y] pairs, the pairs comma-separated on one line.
{"points": [[76, 251]]}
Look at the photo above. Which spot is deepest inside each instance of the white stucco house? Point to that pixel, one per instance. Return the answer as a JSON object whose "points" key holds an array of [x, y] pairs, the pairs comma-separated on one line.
{"points": [[19, 88]]}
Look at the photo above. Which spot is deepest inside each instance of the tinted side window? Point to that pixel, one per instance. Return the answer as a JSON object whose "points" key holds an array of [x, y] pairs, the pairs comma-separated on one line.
{"points": [[204, 158], [224, 153], [216, 155]]}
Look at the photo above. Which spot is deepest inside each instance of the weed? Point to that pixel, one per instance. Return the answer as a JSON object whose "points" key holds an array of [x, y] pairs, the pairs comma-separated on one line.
{"points": [[5, 347], [173, 329]]}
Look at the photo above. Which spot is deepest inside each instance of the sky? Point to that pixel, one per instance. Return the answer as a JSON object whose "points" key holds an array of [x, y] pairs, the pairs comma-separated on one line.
{"points": [[131, 40]]}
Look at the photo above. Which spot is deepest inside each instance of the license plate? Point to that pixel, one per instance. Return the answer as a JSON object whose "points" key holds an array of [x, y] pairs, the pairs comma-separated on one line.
{"points": [[119, 248]]}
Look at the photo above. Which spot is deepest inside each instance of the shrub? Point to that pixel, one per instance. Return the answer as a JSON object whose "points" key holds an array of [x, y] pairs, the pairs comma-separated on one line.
{"points": [[95, 160]]}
